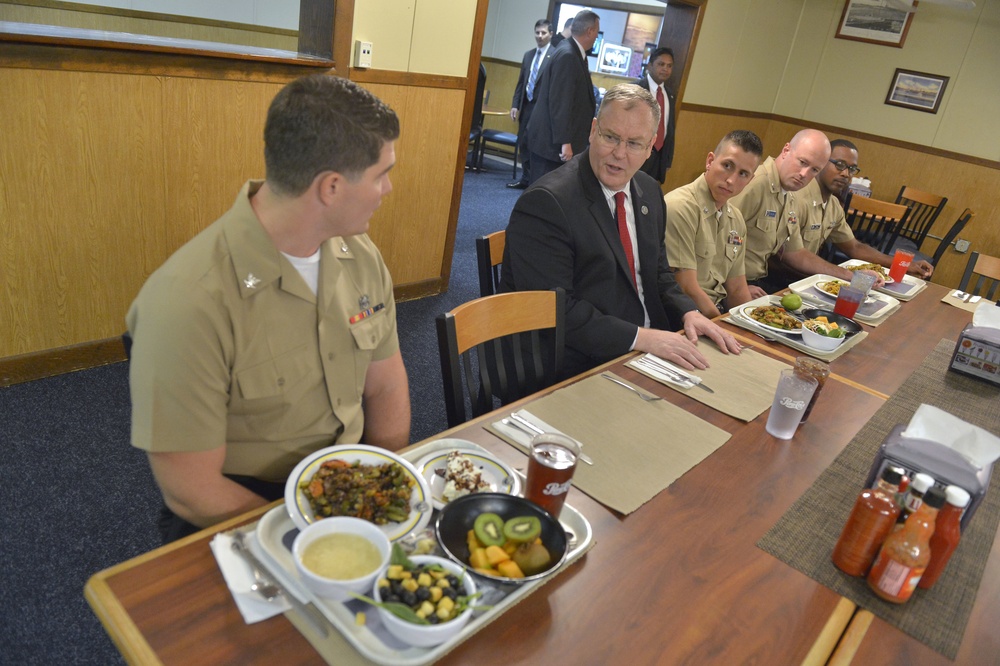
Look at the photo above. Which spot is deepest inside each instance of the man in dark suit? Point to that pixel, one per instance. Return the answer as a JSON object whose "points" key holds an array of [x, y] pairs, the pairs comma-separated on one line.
{"points": [[595, 227], [658, 71], [560, 122], [524, 94], [564, 34]]}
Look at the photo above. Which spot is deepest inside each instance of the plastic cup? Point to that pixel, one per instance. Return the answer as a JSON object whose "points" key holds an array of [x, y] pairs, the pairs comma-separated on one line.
{"points": [[863, 281], [900, 264], [790, 400], [550, 470], [848, 301], [818, 370]]}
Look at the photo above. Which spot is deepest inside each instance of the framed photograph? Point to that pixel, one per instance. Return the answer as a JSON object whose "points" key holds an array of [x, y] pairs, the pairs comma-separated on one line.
{"points": [[870, 21], [916, 90], [614, 59]]}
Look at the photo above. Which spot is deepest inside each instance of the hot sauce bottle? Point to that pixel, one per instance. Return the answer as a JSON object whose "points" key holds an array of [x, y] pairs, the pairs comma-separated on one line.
{"points": [[947, 532], [906, 552], [914, 495], [871, 519]]}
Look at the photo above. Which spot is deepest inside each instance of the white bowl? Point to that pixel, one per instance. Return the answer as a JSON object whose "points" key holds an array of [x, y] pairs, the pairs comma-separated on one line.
{"points": [[428, 635], [331, 588], [821, 342]]}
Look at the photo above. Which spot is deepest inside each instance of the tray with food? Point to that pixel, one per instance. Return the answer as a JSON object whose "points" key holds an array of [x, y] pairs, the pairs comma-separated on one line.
{"points": [[781, 319], [490, 547], [903, 290], [822, 290]]}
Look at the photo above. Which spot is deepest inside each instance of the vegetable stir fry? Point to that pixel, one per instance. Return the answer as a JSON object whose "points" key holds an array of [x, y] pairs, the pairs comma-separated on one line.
{"points": [[772, 315], [378, 493]]}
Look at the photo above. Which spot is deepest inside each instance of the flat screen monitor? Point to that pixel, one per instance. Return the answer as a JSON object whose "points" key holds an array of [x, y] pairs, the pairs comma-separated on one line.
{"points": [[614, 59], [598, 45]]}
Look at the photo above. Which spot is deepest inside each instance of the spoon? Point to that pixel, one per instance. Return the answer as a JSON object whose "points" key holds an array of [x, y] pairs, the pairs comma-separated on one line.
{"points": [[516, 425], [261, 586]]}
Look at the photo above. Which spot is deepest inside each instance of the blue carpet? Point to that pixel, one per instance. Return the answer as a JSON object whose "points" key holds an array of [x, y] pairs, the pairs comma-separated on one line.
{"points": [[77, 498]]}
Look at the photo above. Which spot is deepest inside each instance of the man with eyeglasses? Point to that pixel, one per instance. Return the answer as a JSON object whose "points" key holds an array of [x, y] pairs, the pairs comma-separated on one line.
{"points": [[706, 237], [773, 214], [595, 228], [825, 218]]}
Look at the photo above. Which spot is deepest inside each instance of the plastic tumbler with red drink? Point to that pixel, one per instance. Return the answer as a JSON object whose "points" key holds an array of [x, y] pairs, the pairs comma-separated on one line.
{"points": [[848, 301], [550, 470], [900, 264]]}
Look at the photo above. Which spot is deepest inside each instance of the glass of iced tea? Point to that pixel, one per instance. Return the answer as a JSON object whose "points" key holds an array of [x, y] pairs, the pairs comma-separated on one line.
{"points": [[550, 470], [818, 370]]}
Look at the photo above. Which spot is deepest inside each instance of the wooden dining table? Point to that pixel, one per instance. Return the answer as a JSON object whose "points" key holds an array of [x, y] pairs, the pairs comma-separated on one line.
{"points": [[680, 580]]}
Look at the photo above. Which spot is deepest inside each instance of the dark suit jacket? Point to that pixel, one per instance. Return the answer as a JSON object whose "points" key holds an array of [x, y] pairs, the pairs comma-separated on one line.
{"points": [[660, 160], [564, 104], [521, 89], [562, 233]]}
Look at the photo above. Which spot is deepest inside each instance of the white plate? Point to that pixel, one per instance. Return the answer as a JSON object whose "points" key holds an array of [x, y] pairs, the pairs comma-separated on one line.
{"points": [[745, 310], [858, 262], [301, 512], [868, 299], [495, 472]]}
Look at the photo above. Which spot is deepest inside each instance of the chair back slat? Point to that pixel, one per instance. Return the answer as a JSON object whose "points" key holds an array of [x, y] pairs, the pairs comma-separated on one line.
{"points": [[489, 257], [924, 210], [949, 238], [496, 342]]}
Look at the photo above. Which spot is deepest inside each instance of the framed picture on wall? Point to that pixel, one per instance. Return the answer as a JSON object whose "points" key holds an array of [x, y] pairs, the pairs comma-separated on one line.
{"points": [[873, 22], [916, 90], [614, 59]]}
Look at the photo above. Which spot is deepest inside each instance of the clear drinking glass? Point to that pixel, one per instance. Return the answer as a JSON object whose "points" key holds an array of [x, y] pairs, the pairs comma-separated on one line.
{"points": [[790, 401]]}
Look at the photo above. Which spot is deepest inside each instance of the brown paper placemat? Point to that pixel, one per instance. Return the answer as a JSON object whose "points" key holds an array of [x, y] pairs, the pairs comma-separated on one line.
{"points": [[639, 448], [744, 385], [336, 651], [951, 299], [804, 537]]}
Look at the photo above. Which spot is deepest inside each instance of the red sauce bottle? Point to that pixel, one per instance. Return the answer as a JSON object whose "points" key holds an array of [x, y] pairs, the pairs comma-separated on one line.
{"points": [[947, 532], [871, 520], [906, 552]]}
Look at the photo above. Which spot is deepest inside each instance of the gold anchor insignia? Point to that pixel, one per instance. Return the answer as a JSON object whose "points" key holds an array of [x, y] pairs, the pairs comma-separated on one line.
{"points": [[251, 281]]}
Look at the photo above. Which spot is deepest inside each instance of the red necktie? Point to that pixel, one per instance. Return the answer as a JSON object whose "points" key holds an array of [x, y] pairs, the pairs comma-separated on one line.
{"points": [[658, 143], [623, 232]]}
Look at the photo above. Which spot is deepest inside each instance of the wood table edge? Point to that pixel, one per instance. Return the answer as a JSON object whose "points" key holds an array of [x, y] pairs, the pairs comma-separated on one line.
{"points": [[851, 641]]}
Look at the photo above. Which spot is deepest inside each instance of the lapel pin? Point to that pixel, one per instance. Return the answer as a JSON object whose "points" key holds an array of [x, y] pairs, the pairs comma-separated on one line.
{"points": [[252, 281], [645, 211]]}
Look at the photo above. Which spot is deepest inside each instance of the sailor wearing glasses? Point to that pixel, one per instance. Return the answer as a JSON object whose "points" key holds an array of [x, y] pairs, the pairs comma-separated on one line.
{"points": [[825, 219], [595, 227]]}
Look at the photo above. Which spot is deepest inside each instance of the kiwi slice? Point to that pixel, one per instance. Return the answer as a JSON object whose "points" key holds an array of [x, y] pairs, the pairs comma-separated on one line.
{"points": [[489, 529], [522, 528]]}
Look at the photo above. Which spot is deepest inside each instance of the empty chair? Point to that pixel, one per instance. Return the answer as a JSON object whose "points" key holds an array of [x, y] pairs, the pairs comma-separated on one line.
{"points": [[489, 255], [499, 137], [949, 238], [496, 344], [986, 270], [924, 209], [875, 222]]}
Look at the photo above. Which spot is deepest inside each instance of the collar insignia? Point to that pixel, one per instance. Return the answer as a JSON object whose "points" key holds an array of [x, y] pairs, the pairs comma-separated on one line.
{"points": [[252, 281]]}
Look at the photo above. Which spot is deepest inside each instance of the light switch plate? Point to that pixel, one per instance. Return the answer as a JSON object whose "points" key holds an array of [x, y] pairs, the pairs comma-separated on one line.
{"points": [[362, 54]]}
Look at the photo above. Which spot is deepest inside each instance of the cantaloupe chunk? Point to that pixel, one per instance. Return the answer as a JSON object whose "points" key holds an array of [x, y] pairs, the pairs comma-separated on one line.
{"points": [[479, 560], [510, 569], [495, 555]]}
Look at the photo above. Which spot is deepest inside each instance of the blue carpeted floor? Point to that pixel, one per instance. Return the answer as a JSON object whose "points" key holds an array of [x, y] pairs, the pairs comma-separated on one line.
{"points": [[76, 498]]}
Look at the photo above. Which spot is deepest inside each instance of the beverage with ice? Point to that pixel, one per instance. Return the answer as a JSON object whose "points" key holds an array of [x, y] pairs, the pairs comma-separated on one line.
{"points": [[550, 470], [848, 301], [900, 264], [790, 400]]}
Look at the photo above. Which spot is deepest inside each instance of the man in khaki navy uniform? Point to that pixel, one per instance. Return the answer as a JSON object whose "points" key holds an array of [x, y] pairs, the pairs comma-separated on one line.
{"points": [[272, 333], [826, 219], [773, 213], [705, 236]]}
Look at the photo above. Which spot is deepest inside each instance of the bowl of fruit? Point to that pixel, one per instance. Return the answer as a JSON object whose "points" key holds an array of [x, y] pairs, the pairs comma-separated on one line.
{"points": [[503, 539], [424, 600]]}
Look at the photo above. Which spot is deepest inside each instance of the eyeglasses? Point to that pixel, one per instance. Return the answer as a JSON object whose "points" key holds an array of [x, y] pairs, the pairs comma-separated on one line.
{"points": [[613, 141], [844, 166]]}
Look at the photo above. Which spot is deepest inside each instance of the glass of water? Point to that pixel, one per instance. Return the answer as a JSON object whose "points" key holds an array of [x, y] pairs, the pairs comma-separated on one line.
{"points": [[790, 401]]}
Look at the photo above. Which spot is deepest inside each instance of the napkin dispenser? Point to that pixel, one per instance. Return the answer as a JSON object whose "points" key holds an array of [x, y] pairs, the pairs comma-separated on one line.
{"points": [[977, 353], [946, 465]]}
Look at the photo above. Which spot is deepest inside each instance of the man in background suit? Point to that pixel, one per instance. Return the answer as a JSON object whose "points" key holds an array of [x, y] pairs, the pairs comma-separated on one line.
{"points": [[566, 33], [658, 71], [524, 94], [595, 228], [564, 110]]}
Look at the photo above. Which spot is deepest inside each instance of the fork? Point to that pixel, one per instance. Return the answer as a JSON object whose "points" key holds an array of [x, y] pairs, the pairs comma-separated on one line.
{"points": [[647, 398]]}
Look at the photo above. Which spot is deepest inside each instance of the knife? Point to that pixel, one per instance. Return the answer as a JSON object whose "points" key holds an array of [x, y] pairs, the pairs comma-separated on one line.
{"points": [[667, 369], [517, 418], [310, 613]]}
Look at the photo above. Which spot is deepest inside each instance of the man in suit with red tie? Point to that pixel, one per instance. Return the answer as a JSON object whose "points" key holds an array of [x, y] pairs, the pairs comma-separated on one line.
{"points": [[658, 71], [564, 110], [595, 227], [524, 95]]}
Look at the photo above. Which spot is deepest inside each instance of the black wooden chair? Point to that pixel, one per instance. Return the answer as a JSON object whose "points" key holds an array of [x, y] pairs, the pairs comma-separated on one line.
{"points": [[986, 270], [476, 129], [924, 210], [498, 137], [949, 238], [489, 256], [875, 222], [506, 346]]}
